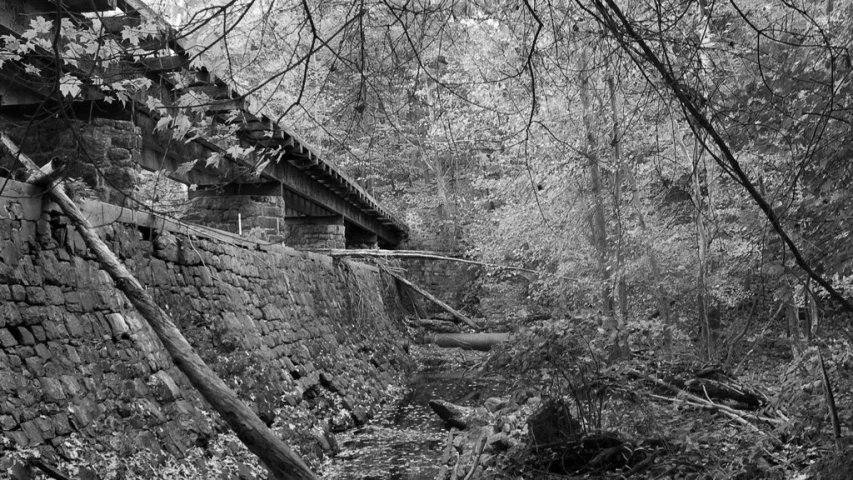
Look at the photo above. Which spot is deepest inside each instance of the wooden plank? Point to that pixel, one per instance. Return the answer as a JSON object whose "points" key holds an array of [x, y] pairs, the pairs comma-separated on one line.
{"points": [[89, 6], [226, 105], [219, 92], [116, 24], [172, 63]]}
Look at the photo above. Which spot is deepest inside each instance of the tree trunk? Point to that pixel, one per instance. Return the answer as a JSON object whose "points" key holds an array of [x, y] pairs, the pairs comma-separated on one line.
{"points": [[630, 40], [706, 337], [811, 315], [597, 220], [468, 341], [282, 462], [619, 342], [792, 318], [813, 311]]}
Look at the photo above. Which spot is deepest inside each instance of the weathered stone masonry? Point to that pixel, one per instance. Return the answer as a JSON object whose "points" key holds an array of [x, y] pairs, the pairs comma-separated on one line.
{"points": [[290, 331], [109, 164]]}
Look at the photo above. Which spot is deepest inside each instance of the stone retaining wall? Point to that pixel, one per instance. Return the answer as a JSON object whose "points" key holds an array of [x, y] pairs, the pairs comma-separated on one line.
{"points": [[111, 150], [306, 341]]}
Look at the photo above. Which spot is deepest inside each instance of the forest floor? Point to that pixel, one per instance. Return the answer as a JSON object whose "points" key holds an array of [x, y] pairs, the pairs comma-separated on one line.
{"points": [[648, 417]]}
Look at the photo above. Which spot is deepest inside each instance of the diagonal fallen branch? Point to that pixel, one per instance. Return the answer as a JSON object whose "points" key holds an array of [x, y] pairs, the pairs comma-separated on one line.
{"points": [[687, 398], [258, 438], [447, 308], [712, 407]]}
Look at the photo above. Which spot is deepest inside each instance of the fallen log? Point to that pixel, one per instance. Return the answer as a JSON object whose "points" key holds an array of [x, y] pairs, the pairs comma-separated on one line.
{"points": [[722, 391], [447, 308], [468, 341], [282, 462], [371, 253]]}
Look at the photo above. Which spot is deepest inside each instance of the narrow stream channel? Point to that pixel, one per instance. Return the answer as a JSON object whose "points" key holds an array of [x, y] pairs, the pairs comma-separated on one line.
{"points": [[406, 440]]}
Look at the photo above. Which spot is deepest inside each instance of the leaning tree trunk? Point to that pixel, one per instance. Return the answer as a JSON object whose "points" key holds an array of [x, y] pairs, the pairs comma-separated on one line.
{"points": [[282, 462], [630, 40]]}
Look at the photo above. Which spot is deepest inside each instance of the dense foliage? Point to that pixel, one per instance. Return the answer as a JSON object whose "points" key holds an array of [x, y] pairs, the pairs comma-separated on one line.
{"points": [[674, 169], [633, 155]]}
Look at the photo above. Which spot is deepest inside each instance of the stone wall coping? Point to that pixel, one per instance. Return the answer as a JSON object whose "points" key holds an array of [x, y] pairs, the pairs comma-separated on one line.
{"points": [[33, 203]]}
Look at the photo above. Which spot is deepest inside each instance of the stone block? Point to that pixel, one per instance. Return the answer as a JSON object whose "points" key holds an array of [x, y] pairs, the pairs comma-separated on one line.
{"points": [[72, 355], [71, 386], [53, 390], [7, 340], [45, 427], [38, 333], [23, 336], [88, 301], [72, 297], [14, 361], [18, 438], [19, 293], [118, 154], [60, 424], [80, 416], [33, 433], [8, 382], [165, 388], [8, 422], [134, 324], [33, 315], [54, 295], [117, 324], [35, 365], [73, 325], [54, 330], [43, 352], [10, 315], [36, 296]]}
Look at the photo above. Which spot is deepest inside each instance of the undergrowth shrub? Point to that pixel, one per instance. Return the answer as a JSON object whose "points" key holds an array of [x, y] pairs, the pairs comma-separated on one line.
{"points": [[564, 359]]}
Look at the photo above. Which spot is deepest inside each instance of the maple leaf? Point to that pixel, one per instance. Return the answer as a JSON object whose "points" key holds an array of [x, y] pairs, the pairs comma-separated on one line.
{"points": [[213, 160], [40, 25], [163, 123], [12, 43], [69, 86], [130, 35], [185, 167], [181, 126]]}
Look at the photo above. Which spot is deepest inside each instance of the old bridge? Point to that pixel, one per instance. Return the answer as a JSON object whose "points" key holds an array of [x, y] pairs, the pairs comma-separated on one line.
{"points": [[283, 187]]}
